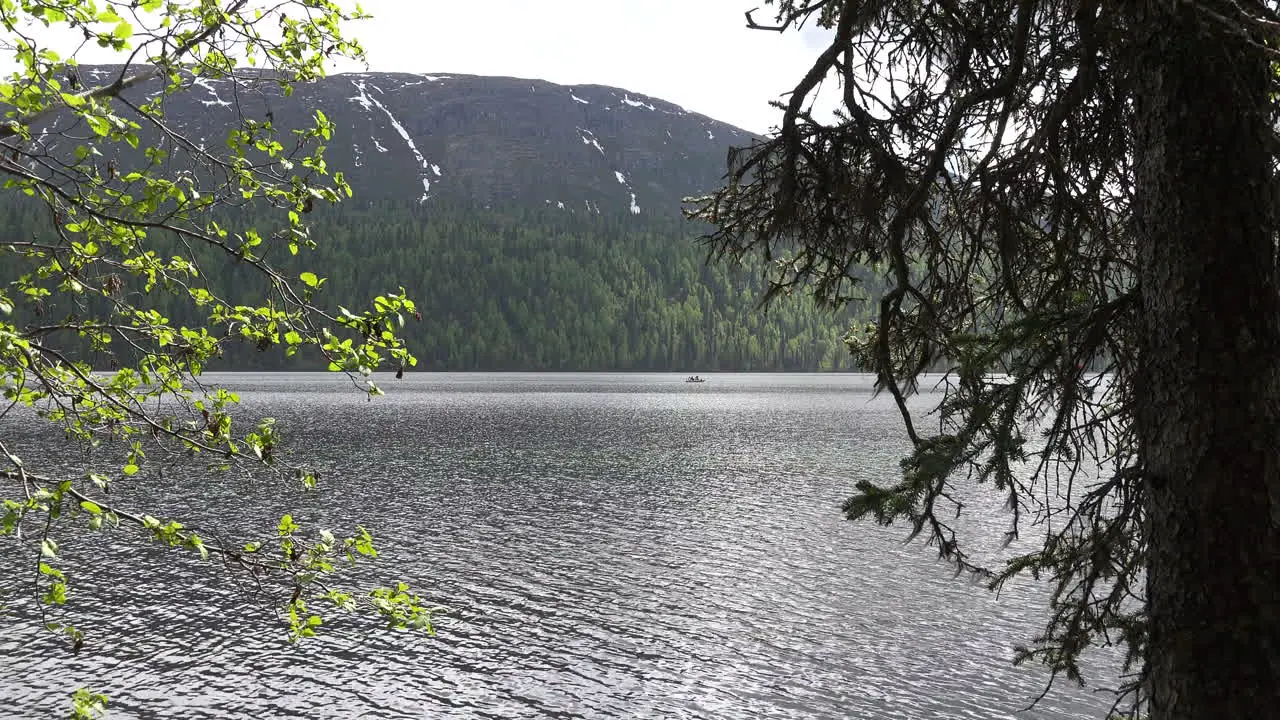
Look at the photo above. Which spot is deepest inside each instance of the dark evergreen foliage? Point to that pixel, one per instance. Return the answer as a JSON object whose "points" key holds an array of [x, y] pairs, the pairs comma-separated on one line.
{"points": [[518, 288], [1074, 205]]}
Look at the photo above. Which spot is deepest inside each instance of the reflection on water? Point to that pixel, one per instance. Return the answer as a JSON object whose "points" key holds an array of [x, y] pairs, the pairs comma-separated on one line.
{"points": [[610, 545]]}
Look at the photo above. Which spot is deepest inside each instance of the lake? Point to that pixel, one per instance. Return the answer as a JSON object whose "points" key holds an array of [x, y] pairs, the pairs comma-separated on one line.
{"points": [[608, 546]]}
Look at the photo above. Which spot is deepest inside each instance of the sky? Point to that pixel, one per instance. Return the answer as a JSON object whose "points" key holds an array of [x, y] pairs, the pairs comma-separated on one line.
{"points": [[698, 54], [695, 53]]}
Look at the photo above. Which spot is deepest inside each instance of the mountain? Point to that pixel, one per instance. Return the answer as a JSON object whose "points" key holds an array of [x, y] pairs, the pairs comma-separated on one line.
{"points": [[537, 226], [483, 140]]}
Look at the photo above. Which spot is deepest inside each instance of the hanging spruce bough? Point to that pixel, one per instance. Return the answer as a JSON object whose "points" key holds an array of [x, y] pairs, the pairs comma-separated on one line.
{"points": [[1073, 204], [139, 215]]}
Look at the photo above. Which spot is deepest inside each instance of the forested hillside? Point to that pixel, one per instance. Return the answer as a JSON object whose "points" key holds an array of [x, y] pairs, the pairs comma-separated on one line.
{"points": [[537, 226], [536, 289]]}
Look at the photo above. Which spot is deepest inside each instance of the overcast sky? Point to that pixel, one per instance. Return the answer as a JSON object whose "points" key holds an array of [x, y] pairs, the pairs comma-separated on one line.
{"points": [[695, 53]]}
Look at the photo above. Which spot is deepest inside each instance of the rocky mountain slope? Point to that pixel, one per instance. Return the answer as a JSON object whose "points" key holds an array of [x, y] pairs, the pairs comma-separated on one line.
{"points": [[485, 140]]}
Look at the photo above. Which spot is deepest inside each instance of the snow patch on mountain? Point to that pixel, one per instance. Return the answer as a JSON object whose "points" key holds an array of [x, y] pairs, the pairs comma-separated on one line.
{"points": [[589, 138], [635, 209], [404, 134], [637, 103], [578, 99], [362, 98], [42, 140], [207, 85]]}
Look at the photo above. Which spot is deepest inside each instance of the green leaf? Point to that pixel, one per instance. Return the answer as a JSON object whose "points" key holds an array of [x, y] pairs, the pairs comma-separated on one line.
{"points": [[99, 125], [286, 526], [129, 469], [88, 705], [310, 279]]}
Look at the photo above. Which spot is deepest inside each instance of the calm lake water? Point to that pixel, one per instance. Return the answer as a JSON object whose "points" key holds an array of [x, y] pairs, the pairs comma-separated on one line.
{"points": [[609, 546]]}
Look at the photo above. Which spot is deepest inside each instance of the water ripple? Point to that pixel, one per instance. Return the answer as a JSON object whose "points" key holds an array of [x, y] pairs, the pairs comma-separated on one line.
{"points": [[609, 546]]}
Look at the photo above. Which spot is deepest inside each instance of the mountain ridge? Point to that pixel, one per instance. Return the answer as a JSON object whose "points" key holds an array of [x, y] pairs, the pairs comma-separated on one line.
{"points": [[480, 139]]}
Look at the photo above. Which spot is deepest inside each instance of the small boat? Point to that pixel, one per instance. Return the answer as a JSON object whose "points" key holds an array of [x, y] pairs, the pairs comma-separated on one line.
{"points": [[695, 379]]}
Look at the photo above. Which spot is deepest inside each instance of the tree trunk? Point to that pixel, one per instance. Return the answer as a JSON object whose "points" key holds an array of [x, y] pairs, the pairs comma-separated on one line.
{"points": [[1209, 386]]}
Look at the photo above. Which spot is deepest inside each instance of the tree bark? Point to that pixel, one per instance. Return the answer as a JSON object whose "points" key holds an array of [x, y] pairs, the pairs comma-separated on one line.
{"points": [[1209, 386]]}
